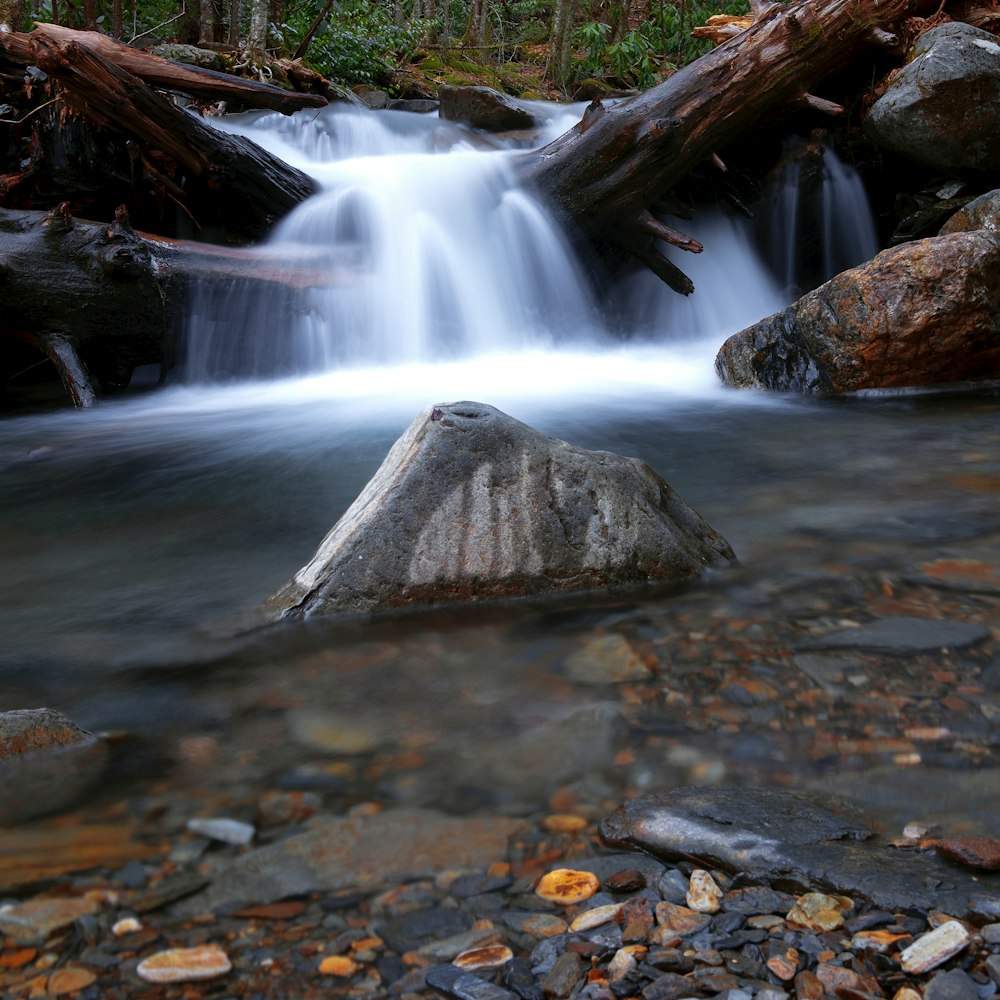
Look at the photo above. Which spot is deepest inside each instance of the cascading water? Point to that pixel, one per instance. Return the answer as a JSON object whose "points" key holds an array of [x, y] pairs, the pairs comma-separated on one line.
{"points": [[421, 248]]}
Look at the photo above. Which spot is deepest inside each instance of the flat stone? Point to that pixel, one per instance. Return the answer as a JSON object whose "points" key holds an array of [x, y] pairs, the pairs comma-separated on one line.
{"points": [[184, 965], [71, 979], [471, 504], [951, 985], [972, 851], [775, 835], [931, 949], [36, 919], [363, 852], [566, 886], [228, 831], [333, 732], [47, 763], [904, 636], [451, 981]]}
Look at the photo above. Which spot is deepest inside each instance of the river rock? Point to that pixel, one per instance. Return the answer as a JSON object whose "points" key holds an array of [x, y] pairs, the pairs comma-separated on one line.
{"points": [[485, 108], [902, 635], [942, 108], [471, 504], [923, 313], [47, 763], [363, 852], [784, 838], [980, 213]]}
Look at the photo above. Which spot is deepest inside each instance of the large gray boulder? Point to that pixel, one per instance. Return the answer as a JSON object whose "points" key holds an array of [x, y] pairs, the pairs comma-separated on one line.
{"points": [[470, 504], [943, 108], [47, 763], [923, 313]]}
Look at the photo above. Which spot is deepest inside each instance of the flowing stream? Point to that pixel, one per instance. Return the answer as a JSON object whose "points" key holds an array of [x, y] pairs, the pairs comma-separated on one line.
{"points": [[134, 536]]}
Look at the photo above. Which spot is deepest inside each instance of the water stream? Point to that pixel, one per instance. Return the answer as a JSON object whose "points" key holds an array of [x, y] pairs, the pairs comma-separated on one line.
{"points": [[134, 535]]}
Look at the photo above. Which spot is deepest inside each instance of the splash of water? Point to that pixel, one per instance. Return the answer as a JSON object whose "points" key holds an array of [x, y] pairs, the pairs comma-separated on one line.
{"points": [[421, 248]]}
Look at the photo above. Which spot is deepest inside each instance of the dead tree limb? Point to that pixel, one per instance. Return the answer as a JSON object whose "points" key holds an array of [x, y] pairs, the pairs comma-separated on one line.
{"points": [[195, 81], [606, 172], [253, 188]]}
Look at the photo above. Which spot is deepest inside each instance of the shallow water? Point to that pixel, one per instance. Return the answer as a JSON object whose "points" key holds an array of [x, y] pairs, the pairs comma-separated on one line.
{"points": [[136, 535]]}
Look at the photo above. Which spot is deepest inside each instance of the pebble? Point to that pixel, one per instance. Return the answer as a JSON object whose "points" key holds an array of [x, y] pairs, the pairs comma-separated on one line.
{"points": [[595, 917], [339, 965], [71, 979], [182, 965], [680, 919], [815, 911], [228, 831], [566, 886], [704, 894], [607, 659], [951, 985], [489, 957], [127, 925], [936, 947]]}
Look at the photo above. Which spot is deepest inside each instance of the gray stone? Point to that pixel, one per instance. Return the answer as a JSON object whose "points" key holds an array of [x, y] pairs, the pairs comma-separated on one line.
{"points": [[783, 838], [951, 985], [472, 504], [416, 105], [991, 934], [903, 636], [993, 966], [190, 54], [451, 981], [943, 107], [923, 313], [364, 852], [981, 213], [47, 763], [485, 108]]}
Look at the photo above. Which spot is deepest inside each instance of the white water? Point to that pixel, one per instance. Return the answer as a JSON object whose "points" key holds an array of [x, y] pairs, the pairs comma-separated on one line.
{"points": [[420, 249]]}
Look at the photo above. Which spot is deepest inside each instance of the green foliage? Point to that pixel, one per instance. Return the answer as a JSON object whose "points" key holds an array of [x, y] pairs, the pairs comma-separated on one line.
{"points": [[356, 43], [661, 43]]}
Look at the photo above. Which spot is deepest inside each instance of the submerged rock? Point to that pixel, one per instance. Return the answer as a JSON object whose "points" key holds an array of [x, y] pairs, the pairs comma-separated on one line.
{"points": [[471, 504], [47, 763], [943, 107], [923, 313], [788, 841]]}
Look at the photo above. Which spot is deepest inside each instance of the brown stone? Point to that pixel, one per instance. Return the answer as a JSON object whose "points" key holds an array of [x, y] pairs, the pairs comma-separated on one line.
{"points": [[36, 919], [566, 886], [923, 313], [183, 965], [972, 851], [69, 980]]}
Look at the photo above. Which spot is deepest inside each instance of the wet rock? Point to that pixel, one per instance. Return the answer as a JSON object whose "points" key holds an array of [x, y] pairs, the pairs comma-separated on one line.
{"points": [[184, 965], [228, 831], [923, 313], [778, 836], [47, 763], [472, 504], [35, 919], [973, 851], [566, 886], [606, 659], [980, 213], [416, 105], [704, 894], [450, 981], [69, 980], [485, 108], [935, 947], [942, 108], [366, 852], [561, 981], [900, 636], [952, 985]]}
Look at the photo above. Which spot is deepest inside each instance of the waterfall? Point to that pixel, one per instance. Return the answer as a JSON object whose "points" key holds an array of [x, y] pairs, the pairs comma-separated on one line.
{"points": [[421, 248]]}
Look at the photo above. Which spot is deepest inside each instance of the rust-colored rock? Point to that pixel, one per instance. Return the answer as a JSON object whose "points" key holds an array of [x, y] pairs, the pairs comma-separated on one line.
{"points": [[924, 313], [972, 851]]}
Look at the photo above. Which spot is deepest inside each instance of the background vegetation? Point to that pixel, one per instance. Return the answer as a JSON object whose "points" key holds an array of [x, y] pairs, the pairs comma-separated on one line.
{"points": [[527, 47]]}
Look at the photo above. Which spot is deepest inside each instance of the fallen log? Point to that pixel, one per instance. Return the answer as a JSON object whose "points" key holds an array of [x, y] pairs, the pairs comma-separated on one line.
{"points": [[248, 187], [114, 299], [608, 171], [195, 81]]}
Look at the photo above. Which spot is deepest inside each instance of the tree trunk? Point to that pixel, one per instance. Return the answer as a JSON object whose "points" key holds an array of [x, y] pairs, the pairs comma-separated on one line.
{"points": [[234, 23], [112, 299], [617, 163], [206, 24], [254, 51], [561, 42], [195, 81], [250, 187]]}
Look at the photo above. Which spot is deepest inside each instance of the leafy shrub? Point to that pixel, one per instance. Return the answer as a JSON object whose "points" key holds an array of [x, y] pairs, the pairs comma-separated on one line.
{"points": [[356, 43]]}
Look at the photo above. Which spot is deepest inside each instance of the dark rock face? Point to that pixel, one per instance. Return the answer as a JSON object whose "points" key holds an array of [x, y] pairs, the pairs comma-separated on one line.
{"points": [[485, 108], [788, 841], [923, 313], [981, 213], [943, 107], [471, 504], [46, 763]]}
